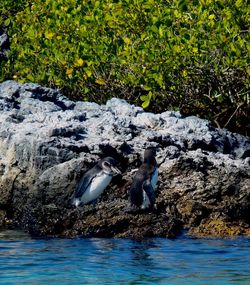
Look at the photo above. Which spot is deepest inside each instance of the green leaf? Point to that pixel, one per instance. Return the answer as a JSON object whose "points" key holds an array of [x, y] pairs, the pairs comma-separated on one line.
{"points": [[7, 22], [147, 88], [145, 104], [144, 97]]}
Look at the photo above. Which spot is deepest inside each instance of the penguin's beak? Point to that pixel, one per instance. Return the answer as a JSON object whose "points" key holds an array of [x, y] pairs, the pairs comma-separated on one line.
{"points": [[115, 170]]}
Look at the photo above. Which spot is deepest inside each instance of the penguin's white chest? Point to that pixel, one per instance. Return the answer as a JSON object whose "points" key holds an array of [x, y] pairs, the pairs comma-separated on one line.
{"points": [[154, 178], [146, 202], [96, 187]]}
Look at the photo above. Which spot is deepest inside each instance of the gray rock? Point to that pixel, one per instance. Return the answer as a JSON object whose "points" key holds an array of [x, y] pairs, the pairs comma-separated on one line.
{"points": [[47, 142]]}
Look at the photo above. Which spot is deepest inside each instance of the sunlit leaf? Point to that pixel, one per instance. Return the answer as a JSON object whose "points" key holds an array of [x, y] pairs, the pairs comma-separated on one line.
{"points": [[69, 71], [49, 35], [127, 41], [79, 62], [88, 72], [145, 104], [100, 81]]}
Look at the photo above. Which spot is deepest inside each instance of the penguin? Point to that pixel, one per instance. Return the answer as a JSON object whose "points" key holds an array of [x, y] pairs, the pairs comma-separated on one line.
{"points": [[142, 191], [95, 181]]}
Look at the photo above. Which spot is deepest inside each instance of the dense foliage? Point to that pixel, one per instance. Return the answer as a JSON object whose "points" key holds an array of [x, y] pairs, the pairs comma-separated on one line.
{"points": [[186, 55]]}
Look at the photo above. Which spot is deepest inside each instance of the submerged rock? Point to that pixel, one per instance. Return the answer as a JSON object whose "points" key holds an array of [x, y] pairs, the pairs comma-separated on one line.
{"points": [[48, 142]]}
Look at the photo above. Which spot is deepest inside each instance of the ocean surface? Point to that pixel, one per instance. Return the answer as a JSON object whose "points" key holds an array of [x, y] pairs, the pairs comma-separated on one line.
{"points": [[184, 260]]}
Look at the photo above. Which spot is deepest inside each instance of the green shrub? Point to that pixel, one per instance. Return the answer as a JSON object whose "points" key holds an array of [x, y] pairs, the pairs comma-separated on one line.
{"points": [[186, 55]]}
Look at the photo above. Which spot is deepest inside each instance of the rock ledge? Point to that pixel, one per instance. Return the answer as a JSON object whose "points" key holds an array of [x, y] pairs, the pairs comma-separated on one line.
{"points": [[47, 142]]}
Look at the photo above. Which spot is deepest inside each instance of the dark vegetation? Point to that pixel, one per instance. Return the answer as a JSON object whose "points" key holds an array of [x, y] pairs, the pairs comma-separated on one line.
{"points": [[191, 56]]}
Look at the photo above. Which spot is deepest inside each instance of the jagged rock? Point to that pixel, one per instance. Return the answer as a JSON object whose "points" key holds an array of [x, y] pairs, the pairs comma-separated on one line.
{"points": [[47, 142]]}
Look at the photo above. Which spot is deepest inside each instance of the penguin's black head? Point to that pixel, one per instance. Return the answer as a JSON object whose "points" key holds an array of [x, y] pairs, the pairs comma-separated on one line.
{"points": [[149, 155], [109, 166]]}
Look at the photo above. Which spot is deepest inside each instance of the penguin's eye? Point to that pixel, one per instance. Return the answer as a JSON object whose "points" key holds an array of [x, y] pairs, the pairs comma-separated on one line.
{"points": [[106, 164]]}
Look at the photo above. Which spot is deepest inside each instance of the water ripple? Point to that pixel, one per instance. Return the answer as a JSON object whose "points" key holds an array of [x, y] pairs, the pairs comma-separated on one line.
{"points": [[123, 261]]}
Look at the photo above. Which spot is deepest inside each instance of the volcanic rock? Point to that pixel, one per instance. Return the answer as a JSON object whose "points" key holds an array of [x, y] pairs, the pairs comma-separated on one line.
{"points": [[47, 142]]}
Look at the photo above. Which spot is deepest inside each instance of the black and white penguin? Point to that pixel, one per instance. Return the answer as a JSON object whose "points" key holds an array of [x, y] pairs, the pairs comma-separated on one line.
{"points": [[142, 191], [95, 180]]}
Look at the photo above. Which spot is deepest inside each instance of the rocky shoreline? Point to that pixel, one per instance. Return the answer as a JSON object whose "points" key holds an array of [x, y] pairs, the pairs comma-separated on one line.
{"points": [[47, 142]]}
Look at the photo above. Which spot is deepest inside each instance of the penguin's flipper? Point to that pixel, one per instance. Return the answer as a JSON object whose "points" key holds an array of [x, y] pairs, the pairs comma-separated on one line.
{"points": [[147, 187], [84, 183], [136, 197]]}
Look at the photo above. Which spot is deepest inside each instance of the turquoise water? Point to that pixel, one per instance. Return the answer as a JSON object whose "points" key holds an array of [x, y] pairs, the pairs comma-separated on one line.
{"points": [[123, 261]]}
